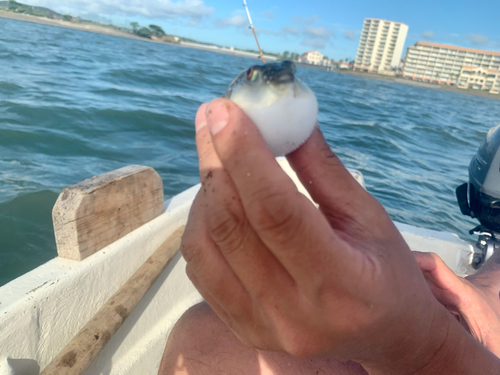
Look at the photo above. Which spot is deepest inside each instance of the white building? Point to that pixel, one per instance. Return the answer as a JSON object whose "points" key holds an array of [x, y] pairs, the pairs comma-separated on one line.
{"points": [[380, 45], [445, 64], [344, 65], [312, 57]]}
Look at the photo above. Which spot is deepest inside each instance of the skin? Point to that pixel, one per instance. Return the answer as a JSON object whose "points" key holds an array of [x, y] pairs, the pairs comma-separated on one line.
{"points": [[474, 300], [338, 282], [200, 343]]}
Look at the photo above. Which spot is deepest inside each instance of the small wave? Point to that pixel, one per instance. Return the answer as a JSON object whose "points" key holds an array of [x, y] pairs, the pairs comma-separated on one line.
{"points": [[76, 104], [27, 233], [9, 87]]}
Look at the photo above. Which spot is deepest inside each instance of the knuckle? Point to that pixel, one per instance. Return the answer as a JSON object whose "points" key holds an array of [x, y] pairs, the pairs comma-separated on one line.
{"points": [[299, 344], [439, 263], [276, 213], [328, 155], [434, 256], [190, 273], [189, 249], [227, 228]]}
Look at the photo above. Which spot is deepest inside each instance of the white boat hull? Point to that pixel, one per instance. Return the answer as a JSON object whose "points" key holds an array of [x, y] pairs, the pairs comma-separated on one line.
{"points": [[44, 309]]}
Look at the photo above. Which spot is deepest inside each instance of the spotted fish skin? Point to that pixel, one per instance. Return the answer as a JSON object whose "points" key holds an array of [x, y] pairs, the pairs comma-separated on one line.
{"points": [[271, 72], [282, 107]]}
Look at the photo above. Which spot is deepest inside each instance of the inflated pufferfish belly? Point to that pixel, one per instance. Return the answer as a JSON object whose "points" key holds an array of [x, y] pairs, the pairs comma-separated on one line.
{"points": [[282, 107]]}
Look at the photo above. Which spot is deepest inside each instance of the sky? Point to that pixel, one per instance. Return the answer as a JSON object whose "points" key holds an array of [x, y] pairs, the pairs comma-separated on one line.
{"points": [[330, 26]]}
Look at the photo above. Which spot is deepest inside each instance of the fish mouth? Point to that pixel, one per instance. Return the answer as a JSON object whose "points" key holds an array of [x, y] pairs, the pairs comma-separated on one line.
{"points": [[284, 76]]}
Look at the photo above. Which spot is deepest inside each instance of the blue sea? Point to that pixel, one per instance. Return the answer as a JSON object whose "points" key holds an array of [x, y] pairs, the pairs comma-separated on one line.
{"points": [[75, 104]]}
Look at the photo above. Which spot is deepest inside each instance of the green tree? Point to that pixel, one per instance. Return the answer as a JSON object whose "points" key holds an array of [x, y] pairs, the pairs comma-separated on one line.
{"points": [[67, 18], [157, 31], [135, 26], [144, 32], [12, 6], [286, 54]]}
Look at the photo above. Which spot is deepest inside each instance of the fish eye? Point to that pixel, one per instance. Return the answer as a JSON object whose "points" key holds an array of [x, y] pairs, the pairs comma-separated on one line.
{"points": [[252, 74]]}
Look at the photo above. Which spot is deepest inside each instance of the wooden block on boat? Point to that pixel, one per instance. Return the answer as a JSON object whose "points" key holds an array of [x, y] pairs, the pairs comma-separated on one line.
{"points": [[100, 210]]}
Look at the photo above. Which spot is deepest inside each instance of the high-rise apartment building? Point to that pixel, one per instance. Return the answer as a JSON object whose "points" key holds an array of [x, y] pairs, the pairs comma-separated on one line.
{"points": [[380, 45], [443, 64]]}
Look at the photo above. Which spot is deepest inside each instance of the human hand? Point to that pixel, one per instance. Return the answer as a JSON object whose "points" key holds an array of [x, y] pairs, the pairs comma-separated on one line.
{"points": [[475, 304], [337, 282]]}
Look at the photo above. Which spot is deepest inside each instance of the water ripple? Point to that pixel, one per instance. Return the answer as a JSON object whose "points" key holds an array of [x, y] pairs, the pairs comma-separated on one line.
{"points": [[75, 104]]}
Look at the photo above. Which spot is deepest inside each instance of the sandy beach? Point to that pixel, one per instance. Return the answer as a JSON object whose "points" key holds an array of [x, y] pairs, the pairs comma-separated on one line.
{"points": [[109, 30]]}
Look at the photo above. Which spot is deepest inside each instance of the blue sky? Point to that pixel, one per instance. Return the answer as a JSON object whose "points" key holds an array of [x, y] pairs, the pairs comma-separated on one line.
{"points": [[332, 27]]}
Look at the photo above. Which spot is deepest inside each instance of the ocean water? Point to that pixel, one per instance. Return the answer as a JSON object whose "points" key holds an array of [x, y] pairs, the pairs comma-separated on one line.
{"points": [[76, 104]]}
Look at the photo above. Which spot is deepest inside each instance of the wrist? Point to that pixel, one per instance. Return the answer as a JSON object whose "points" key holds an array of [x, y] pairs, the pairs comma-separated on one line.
{"points": [[446, 349]]}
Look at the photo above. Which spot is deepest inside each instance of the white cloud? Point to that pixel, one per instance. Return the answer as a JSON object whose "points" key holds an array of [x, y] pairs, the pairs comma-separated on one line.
{"points": [[289, 30], [268, 15], [299, 20], [234, 21], [428, 35], [317, 37], [319, 32], [259, 31], [349, 34], [194, 9], [314, 43], [478, 39]]}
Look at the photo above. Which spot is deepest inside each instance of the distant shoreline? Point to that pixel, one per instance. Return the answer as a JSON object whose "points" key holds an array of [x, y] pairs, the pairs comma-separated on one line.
{"points": [[113, 32], [404, 81], [93, 28], [71, 25], [410, 82]]}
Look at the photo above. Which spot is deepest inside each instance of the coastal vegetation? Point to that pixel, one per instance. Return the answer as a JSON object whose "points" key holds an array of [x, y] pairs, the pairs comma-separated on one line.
{"points": [[145, 32], [151, 32], [15, 7]]}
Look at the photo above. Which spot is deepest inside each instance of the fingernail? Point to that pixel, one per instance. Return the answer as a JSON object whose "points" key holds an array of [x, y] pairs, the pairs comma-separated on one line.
{"points": [[199, 126], [217, 116], [200, 122]]}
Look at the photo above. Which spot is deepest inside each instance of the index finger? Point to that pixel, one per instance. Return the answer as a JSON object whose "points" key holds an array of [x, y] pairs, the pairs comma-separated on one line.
{"points": [[287, 222]]}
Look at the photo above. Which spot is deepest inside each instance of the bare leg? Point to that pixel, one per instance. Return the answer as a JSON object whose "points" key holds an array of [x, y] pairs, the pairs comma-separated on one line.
{"points": [[201, 344]]}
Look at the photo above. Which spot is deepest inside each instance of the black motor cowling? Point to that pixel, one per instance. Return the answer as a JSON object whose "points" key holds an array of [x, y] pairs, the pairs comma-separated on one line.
{"points": [[483, 189], [480, 198]]}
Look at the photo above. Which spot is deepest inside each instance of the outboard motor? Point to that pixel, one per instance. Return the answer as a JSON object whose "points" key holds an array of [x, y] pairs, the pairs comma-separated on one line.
{"points": [[480, 198]]}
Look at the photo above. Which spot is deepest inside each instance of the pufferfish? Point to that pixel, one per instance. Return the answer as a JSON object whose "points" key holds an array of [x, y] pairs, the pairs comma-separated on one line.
{"points": [[282, 107]]}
